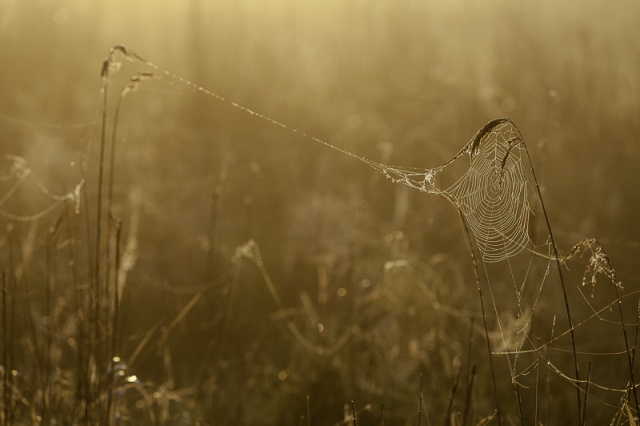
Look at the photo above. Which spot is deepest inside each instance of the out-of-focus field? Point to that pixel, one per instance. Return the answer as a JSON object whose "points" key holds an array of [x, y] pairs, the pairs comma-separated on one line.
{"points": [[354, 287]]}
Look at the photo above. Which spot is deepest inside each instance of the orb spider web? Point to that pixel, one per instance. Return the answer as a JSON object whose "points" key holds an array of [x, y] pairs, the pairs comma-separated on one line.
{"points": [[493, 195]]}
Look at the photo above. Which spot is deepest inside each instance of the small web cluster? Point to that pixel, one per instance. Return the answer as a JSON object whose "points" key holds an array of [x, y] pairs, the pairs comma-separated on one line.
{"points": [[16, 172]]}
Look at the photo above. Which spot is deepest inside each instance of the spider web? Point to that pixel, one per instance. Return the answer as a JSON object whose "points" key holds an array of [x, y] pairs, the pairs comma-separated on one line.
{"points": [[493, 195], [15, 173]]}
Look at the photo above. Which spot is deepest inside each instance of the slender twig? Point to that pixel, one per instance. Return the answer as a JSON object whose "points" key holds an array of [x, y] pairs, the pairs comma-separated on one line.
{"points": [[38, 357], [626, 343], [8, 333], [114, 140], [470, 351], [420, 403], [586, 395], [635, 342], [27, 290], [557, 259], [6, 395], [516, 388], [452, 393], [467, 405], [8, 323], [87, 326], [48, 331], [78, 315], [114, 324], [96, 318], [213, 232], [548, 380]]}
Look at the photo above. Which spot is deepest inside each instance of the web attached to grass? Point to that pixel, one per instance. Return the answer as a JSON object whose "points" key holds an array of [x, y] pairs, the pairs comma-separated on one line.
{"points": [[492, 194], [493, 197], [16, 173]]}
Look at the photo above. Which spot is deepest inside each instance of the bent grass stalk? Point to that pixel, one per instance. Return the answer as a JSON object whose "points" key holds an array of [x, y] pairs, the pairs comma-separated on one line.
{"points": [[586, 394], [554, 248], [114, 326], [420, 403], [95, 320], [6, 368], [452, 394], [103, 357], [353, 411], [467, 405], [626, 343]]}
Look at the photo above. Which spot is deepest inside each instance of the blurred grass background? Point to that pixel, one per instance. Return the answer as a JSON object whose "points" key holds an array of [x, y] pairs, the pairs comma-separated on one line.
{"points": [[422, 76], [402, 82]]}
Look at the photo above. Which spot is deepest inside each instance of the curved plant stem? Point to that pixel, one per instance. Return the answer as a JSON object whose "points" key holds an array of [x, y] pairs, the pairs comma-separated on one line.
{"points": [[557, 259]]}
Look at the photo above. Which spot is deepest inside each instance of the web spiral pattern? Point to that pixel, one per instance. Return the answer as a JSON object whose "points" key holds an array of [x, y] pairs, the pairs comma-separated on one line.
{"points": [[493, 193]]}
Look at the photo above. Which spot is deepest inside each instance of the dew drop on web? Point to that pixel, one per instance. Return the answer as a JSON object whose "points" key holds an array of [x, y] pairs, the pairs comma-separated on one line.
{"points": [[429, 177]]}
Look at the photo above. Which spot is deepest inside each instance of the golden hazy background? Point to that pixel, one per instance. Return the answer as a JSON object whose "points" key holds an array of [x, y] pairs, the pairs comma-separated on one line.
{"points": [[405, 82]]}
